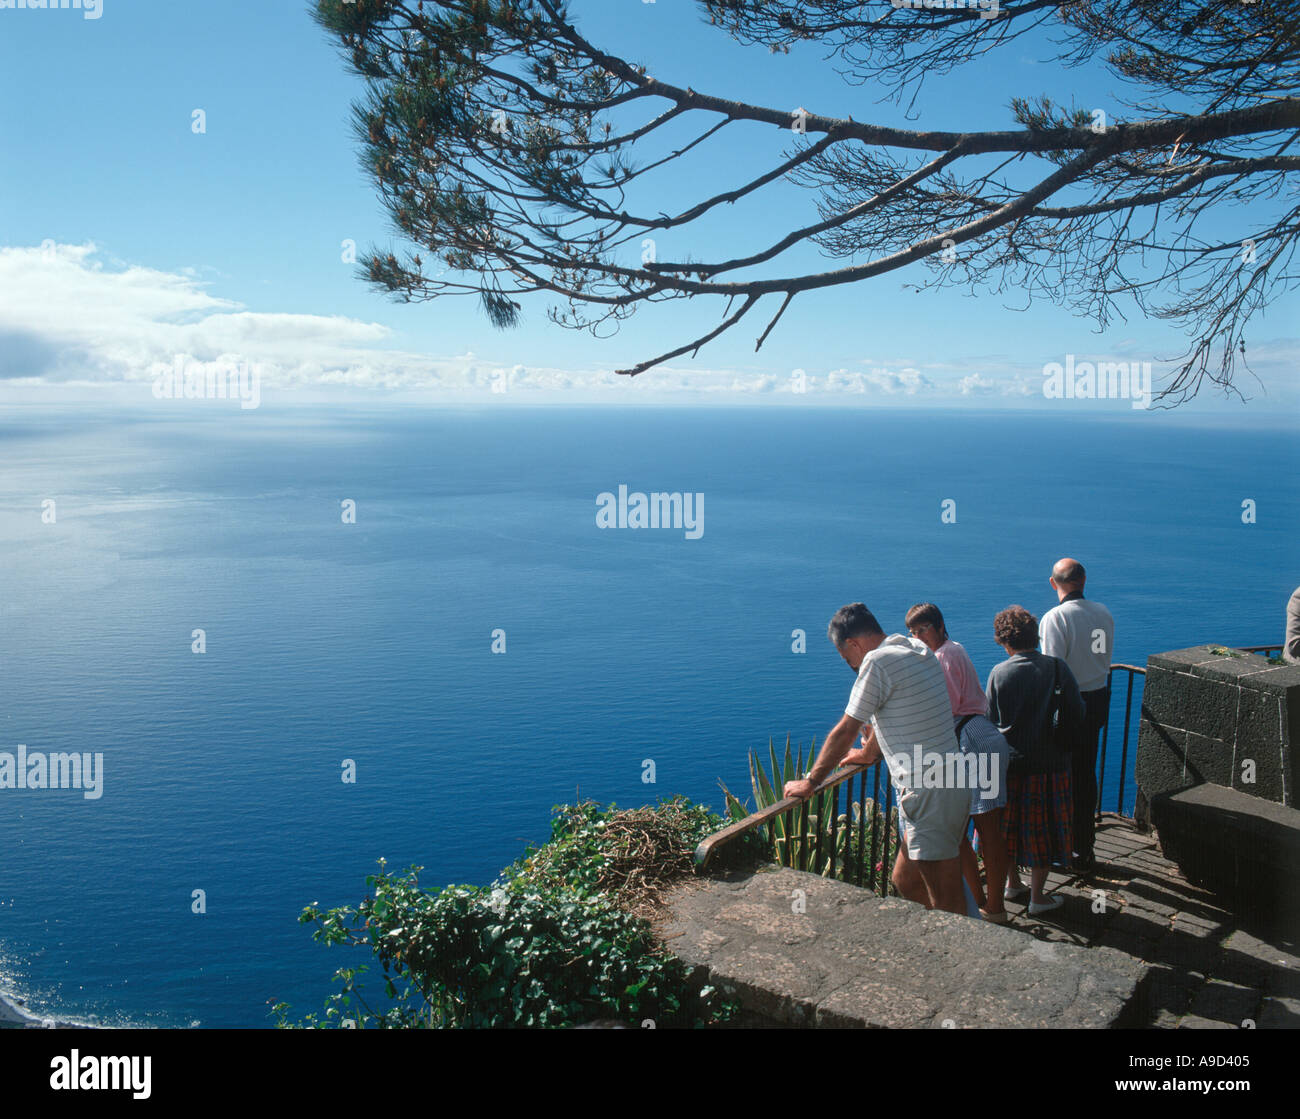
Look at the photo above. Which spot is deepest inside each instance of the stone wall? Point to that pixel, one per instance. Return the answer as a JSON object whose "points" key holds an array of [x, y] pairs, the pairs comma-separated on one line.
{"points": [[1229, 720]]}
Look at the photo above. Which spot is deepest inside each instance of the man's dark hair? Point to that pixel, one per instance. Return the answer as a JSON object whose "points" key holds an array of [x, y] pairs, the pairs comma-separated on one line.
{"points": [[1072, 574], [1016, 628], [854, 620], [926, 614]]}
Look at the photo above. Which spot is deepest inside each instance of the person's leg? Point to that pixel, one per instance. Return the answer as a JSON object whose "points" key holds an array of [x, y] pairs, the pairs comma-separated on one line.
{"points": [[1037, 880], [1013, 832], [1050, 834], [1083, 780], [1102, 708], [907, 879], [929, 867], [993, 846], [937, 825], [943, 882], [970, 869], [1083, 775], [1015, 884]]}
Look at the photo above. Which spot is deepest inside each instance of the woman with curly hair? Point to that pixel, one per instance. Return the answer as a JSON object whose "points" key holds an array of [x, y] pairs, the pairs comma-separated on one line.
{"points": [[1020, 697]]}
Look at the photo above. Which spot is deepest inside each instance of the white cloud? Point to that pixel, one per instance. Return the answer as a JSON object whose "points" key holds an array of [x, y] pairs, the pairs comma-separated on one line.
{"points": [[70, 316], [66, 316], [975, 384], [907, 381]]}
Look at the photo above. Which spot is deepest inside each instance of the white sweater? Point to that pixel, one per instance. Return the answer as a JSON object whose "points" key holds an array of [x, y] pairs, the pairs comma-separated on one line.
{"points": [[1081, 633]]}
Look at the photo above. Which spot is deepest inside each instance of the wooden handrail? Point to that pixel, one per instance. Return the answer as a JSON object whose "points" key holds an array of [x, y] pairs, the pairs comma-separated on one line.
{"points": [[704, 852]]}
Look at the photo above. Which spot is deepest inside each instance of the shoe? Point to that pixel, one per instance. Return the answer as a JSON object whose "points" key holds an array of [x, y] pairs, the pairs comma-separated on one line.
{"points": [[1013, 894], [1054, 901], [1002, 918], [1083, 864]]}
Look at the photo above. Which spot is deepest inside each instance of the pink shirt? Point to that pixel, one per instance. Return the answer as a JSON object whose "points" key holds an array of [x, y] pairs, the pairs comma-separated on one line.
{"points": [[964, 691]]}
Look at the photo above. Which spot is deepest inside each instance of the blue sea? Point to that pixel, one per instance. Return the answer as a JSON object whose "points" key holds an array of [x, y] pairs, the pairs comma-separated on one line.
{"points": [[373, 642]]}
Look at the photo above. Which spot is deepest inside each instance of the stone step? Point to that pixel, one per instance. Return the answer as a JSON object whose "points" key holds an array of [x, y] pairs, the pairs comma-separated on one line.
{"points": [[809, 951]]}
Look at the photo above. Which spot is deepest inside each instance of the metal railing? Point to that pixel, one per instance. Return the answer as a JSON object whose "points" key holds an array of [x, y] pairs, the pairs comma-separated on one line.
{"points": [[796, 836], [1133, 672]]}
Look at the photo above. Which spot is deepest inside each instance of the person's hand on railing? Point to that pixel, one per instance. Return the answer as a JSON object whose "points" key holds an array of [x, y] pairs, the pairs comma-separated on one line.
{"points": [[836, 745], [868, 753], [800, 788], [833, 749], [865, 755]]}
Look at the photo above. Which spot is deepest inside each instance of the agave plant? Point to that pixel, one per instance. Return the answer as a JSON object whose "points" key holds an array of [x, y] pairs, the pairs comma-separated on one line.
{"points": [[794, 839]]}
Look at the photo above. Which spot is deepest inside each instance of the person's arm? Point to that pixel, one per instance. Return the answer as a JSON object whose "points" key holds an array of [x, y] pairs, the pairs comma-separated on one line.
{"points": [[869, 753], [837, 744], [965, 676], [1051, 632], [1291, 650], [1072, 707], [866, 754], [870, 691]]}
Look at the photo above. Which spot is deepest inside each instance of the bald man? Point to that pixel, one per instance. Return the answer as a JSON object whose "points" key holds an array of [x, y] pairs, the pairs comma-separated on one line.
{"points": [[1082, 633]]}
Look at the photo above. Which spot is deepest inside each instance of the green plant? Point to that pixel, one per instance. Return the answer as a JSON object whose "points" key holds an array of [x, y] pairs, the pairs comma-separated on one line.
{"points": [[797, 836], [550, 943], [628, 856], [1224, 651]]}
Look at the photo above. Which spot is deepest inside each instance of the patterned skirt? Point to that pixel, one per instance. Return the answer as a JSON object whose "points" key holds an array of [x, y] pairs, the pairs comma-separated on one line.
{"points": [[1038, 820]]}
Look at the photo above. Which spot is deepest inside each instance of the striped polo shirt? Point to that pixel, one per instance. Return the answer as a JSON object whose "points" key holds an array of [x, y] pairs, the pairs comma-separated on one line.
{"points": [[901, 689]]}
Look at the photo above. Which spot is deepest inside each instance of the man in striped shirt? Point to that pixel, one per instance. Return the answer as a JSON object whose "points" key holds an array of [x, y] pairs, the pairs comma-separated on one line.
{"points": [[902, 691]]}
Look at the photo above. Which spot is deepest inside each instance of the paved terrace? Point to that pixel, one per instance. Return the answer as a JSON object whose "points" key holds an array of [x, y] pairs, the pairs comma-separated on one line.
{"points": [[1159, 953], [1208, 968]]}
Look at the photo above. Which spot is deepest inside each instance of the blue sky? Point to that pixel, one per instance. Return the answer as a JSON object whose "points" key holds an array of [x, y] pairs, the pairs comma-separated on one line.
{"points": [[126, 238]]}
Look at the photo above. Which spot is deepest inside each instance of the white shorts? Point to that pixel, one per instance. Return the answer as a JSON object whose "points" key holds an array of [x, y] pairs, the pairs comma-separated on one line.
{"points": [[931, 822]]}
